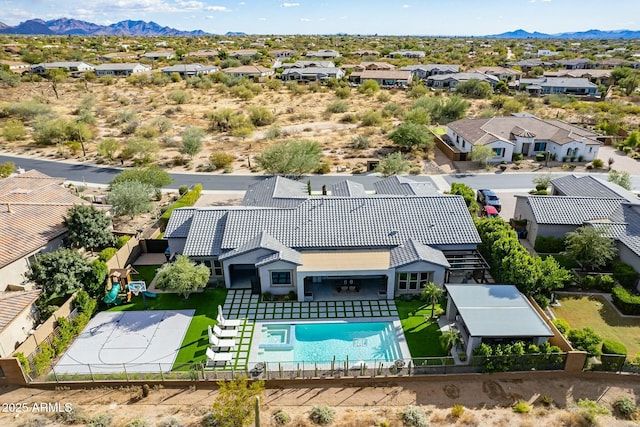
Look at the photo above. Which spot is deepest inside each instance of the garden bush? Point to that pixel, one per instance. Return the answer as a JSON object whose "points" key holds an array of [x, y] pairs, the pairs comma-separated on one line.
{"points": [[100, 420], [521, 407], [625, 300], [601, 282], [220, 159], [322, 415], [26, 367], [457, 411], [598, 163], [106, 254], [414, 417], [626, 406], [281, 418], [549, 245], [187, 200], [122, 240], [625, 274], [585, 339], [562, 325], [337, 107]]}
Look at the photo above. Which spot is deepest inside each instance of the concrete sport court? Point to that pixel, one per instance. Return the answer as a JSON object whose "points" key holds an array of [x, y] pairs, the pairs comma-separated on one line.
{"points": [[131, 341]]}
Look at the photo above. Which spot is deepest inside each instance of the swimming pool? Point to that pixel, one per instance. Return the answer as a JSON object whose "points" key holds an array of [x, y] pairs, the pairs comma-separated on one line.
{"points": [[321, 342]]}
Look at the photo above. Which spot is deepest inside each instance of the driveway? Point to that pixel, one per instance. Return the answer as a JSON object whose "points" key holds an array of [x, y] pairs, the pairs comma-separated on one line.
{"points": [[620, 161]]}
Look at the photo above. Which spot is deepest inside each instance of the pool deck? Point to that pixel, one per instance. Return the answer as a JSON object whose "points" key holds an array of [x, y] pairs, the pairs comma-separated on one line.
{"points": [[241, 304]]}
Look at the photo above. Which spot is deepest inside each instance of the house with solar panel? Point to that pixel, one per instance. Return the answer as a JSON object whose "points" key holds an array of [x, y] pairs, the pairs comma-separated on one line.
{"points": [[349, 243]]}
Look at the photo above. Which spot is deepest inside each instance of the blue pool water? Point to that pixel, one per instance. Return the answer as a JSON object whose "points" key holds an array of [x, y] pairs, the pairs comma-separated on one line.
{"points": [[320, 342]]}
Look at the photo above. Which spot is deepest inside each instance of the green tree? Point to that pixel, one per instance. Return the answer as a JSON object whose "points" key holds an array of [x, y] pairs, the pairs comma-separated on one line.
{"points": [[622, 178], [56, 76], [96, 279], [108, 148], [633, 140], [130, 198], [467, 194], [88, 227], [474, 88], [410, 135], [542, 182], [481, 154], [450, 339], [192, 141], [6, 169], [585, 339], [393, 164], [59, 273], [153, 175], [261, 116], [234, 404], [142, 148], [630, 84], [290, 158], [589, 247], [179, 96], [14, 130], [501, 87], [431, 294], [183, 276], [418, 115]]}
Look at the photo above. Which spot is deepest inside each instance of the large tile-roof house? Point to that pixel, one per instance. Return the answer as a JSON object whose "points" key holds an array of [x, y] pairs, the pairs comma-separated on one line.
{"points": [[323, 53], [283, 240], [407, 54], [18, 316], [559, 85], [307, 64], [422, 71], [255, 72], [189, 70], [451, 81], [123, 69], [384, 78], [502, 73], [580, 201], [312, 74], [32, 206], [524, 134]]}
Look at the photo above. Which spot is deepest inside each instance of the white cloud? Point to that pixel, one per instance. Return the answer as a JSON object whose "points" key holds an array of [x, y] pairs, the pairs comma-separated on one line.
{"points": [[242, 3], [305, 20], [217, 9], [262, 19], [405, 6], [343, 18], [289, 4]]}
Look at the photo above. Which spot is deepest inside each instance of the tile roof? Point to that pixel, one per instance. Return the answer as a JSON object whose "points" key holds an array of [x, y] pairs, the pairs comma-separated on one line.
{"points": [[453, 68], [590, 186], [32, 207], [497, 311], [630, 237], [205, 232], [179, 223], [276, 192], [383, 74], [555, 131], [401, 185], [568, 210], [248, 69], [348, 188], [14, 303], [465, 76], [264, 240], [559, 82], [413, 251]]}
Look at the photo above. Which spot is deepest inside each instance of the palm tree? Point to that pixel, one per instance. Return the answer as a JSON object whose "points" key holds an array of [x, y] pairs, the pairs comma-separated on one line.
{"points": [[450, 339], [431, 293]]}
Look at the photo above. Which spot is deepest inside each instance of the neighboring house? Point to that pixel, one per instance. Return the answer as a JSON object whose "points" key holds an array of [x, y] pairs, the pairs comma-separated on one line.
{"points": [[384, 78], [407, 54], [377, 65], [121, 69], [524, 134], [365, 52], [71, 66], [451, 81], [312, 74], [117, 56], [502, 73], [240, 53], [575, 64], [283, 240], [255, 72], [401, 185], [579, 201], [422, 71], [32, 207], [599, 77], [18, 316], [527, 65], [324, 53], [559, 85], [546, 52], [307, 64], [494, 314], [189, 70], [205, 53], [348, 188], [283, 53], [16, 67], [158, 55]]}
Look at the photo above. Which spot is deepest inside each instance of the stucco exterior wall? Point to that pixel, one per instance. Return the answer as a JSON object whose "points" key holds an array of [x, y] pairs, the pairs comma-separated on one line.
{"points": [[16, 332], [264, 272]]}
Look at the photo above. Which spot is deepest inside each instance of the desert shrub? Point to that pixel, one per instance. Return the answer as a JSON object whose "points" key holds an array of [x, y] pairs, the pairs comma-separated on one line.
{"points": [[35, 421], [598, 163], [337, 107], [26, 110], [14, 130], [261, 116], [392, 109], [371, 118], [323, 168], [138, 422], [360, 142], [122, 240], [106, 254], [209, 420], [457, 411], [183, 189], [281, 418], [274, 132], [625, 274], [221, 159], [369, 87], [590, 408], [343, 92], [100, 420], [322, 415], [417, 91], [147, 132], [349, 118], [6, 169], [414, 417], [185, 201], [179, 96], [625, 406], [383, 97], [562, 325], [521, 407], [170, 422], [71, 415], [108, 147]]}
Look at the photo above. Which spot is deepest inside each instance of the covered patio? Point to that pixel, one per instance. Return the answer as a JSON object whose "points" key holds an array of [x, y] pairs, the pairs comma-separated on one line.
{"points": [[467, 267]]}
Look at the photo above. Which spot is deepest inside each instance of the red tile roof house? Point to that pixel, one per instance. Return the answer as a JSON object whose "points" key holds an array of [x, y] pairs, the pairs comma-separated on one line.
{"points": [[18, 316], [32, 207]]}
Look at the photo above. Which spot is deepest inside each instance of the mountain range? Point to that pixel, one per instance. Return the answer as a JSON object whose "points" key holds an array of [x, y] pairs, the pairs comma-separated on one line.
{"points": [[589, 34], [66, 26]]}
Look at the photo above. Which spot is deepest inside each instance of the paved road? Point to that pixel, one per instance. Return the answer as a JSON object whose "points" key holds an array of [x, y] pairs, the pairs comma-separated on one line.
{"points": [[104, 175]]}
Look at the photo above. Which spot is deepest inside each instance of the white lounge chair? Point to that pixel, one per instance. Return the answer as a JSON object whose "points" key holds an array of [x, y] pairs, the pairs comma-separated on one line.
{"points": [[227, 323], [224, 333], [214, 358], [221, 343]]}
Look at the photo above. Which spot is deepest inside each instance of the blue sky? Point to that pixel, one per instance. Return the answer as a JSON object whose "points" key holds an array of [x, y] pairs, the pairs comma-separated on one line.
{"points": [[404, 17]]}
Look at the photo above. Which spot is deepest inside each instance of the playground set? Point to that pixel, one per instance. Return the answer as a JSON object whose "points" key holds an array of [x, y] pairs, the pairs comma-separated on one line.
{"points": [[120, 287]]}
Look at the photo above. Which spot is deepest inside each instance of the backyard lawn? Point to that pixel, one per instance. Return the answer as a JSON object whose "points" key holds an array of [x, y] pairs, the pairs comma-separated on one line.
{"points": [[146, 273], [422, 333], [598, 314], [196, 339]]}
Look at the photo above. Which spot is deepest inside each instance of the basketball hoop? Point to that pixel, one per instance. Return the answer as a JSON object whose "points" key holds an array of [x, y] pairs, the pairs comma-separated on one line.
{"points": [[137, 286]]}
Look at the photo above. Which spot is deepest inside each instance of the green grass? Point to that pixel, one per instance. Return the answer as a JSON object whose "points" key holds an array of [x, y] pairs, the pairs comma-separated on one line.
{"points": [[598, 314], [196, 339], [422, 333], [438, 130], [147, 273]]}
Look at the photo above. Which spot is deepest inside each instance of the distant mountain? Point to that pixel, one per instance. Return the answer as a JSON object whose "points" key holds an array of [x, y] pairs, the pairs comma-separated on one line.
{"points": [[235, 33], [589, 34], [3, 25], [65, 26]]}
